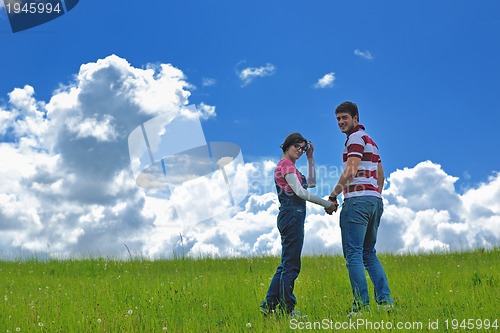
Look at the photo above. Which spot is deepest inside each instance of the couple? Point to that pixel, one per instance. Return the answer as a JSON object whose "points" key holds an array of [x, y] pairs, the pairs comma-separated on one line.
{"points": [[361, 183]]}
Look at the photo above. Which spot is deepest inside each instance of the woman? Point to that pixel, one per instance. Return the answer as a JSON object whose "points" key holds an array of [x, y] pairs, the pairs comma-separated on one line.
{"points": [[291, 186]]}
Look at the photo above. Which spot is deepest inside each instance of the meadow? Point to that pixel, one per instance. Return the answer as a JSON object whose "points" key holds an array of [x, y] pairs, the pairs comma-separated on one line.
{"points": [[446, 292]]}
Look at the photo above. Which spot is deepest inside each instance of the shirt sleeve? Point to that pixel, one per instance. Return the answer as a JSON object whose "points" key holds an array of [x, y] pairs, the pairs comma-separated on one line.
{"points": [[311, 175], [287, 167], [293, 181], [355, 146]]}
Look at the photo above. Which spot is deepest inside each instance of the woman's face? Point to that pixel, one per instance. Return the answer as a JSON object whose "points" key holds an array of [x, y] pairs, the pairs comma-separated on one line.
{"points": [[296, 150]]}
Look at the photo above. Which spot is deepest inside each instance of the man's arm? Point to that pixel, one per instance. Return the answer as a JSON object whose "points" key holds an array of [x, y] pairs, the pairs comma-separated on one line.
{"points": [[347, 176], [380, 177]]}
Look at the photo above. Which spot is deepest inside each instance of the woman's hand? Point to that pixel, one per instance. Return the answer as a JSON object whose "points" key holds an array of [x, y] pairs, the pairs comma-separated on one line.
{"points": [[333, 208], [310, 150]]}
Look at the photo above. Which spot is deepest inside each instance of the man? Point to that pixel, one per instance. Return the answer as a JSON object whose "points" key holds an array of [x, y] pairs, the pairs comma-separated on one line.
{"points": [[361, 183]]}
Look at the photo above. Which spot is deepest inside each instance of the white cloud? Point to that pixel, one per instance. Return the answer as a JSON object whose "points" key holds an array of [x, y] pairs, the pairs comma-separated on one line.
{"points": [[364, 54], [102, 130], [420, 216], [424, 212], [206, 111], [326, 81], [247, 75], [68, 189], [208, 82], [66, 181], [25, 119]]}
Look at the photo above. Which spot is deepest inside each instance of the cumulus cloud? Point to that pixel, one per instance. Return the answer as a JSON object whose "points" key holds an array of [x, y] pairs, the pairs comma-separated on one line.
{"points": [[247, 75], [424, 212], [364, 54], [68, 188], [66, 179], [326, 81]]}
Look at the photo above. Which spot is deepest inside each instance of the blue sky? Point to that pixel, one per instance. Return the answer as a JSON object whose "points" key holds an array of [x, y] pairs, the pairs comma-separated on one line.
{"points": [[425, 76], [433, 72]]}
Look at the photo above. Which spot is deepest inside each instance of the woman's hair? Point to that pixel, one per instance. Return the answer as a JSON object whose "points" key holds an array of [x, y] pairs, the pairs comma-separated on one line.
{"points": [[291, 139]]}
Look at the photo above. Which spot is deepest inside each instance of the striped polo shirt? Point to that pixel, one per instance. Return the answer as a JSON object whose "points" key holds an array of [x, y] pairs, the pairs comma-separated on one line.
{"points": [[360, 145]]}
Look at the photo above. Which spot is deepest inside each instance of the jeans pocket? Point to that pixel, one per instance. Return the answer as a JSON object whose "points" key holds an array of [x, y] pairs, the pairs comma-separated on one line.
{"points": [[359, 211]]}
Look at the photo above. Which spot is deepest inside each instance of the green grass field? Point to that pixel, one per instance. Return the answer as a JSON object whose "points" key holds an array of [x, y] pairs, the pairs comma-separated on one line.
{"points": [[452, 292]]}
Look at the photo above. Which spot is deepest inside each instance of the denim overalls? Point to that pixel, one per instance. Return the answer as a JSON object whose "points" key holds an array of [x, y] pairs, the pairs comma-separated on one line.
{"points": [[291, 217]]}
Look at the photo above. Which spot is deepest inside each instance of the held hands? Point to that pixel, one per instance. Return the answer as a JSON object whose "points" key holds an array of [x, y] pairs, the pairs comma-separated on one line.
{"points": [[333, 207]]}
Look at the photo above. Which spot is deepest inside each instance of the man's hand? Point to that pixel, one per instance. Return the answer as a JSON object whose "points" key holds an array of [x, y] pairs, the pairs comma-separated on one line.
{"points": [[333, 207]]}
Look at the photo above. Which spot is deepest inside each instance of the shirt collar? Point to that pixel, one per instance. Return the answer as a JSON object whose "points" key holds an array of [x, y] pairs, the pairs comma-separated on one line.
{"points": [[357, 128]]}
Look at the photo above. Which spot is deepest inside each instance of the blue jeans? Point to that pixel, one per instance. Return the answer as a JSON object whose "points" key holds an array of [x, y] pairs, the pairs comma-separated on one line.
{"points": [[291, 227], [359, 222]]}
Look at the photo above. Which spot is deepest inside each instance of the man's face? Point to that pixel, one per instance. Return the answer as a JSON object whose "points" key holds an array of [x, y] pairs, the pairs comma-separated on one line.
{"points": [[346, 122]]}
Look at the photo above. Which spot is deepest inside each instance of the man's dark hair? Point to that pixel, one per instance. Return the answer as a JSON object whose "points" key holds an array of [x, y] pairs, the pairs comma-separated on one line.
{"points": [[291, 139], [348, 107]]}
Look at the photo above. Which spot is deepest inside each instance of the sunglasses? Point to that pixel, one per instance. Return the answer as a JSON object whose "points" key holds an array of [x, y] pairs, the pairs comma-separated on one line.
{"points": [[300, 148]]}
